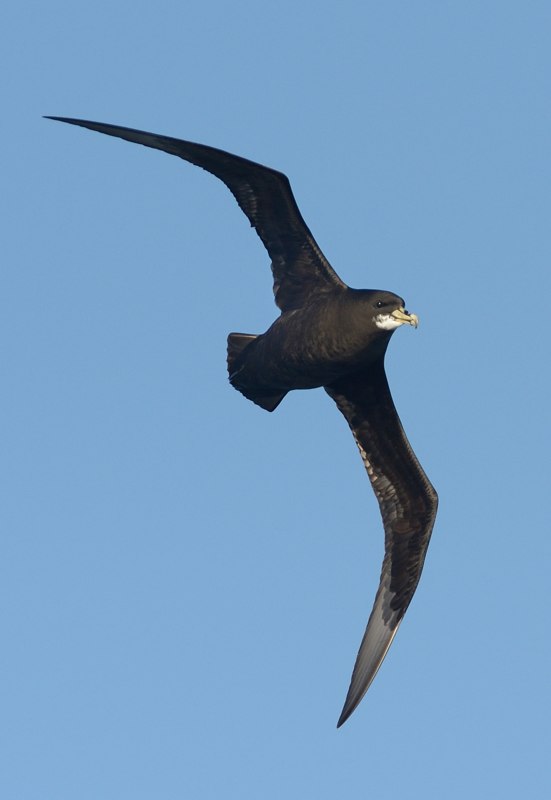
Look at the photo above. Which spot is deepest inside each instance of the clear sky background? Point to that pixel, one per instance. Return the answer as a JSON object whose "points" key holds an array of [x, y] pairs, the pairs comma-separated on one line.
{"points": [[184, 578]]}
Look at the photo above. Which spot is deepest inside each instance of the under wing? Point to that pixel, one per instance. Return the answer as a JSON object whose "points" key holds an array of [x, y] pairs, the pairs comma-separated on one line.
{"points": [[408, 505], [298, 265]]}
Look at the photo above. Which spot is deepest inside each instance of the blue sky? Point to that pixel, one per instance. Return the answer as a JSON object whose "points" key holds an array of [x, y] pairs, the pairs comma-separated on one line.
{"points": [[185, 579]]}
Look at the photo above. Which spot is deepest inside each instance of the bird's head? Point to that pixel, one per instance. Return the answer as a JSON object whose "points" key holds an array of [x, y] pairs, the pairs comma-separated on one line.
{"points": [[389, 311]]}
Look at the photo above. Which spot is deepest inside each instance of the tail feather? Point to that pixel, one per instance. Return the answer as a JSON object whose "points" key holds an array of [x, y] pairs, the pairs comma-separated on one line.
{"points": [[237, 344]]}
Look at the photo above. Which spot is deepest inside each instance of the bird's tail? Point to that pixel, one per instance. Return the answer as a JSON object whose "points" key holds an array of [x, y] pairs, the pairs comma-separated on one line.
{"points": [[237, 344]]}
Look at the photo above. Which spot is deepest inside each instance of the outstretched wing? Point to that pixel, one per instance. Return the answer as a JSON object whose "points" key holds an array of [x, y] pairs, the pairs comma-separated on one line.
{"points": [[264, 195], [408, 504]]}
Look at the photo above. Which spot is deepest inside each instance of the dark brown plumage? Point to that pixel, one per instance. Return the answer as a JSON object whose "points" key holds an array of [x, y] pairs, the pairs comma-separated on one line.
{"points": [[332, 336]]}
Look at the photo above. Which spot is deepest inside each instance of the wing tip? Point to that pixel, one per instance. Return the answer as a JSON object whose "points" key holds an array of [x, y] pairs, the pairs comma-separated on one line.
{"points": [[351, 704], [345, 713]]}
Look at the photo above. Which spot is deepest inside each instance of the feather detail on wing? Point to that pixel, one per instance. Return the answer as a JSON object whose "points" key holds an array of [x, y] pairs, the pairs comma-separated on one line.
{"points": [[408, 504], [299, 267]]}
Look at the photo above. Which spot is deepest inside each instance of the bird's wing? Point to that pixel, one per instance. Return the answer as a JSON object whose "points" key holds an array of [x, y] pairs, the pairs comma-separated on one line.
{"points": [[408, 506], [264, 195]]}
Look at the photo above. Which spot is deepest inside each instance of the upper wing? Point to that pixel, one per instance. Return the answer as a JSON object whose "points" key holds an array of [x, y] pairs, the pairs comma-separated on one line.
{"points": [[408, 504], [264, 195]]}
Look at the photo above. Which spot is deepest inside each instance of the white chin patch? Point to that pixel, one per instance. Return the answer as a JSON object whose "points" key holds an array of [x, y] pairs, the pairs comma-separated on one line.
{"points": [[386, 322]]}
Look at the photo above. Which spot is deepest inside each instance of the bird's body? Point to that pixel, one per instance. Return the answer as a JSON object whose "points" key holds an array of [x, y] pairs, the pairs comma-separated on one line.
{"points": [[311, 346], [328, 335]]}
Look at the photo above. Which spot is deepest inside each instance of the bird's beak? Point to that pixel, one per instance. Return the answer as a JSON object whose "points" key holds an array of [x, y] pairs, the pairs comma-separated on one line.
{"points": [[404, 318]]}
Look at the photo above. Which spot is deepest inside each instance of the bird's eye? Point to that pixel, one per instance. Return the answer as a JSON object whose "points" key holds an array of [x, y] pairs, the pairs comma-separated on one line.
{"points": [[380, 304]]}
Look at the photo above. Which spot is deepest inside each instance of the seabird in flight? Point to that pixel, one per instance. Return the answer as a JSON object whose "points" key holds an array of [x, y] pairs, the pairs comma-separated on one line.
{"points": [[332, 336]]}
